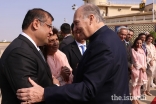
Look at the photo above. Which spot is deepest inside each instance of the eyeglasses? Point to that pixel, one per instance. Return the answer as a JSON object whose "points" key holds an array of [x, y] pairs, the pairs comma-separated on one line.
{"points": [[49, 26]]}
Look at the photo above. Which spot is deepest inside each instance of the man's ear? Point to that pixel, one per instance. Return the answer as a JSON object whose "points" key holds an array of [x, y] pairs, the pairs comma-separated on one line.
{"points": [[36, 24], [91, 18]]}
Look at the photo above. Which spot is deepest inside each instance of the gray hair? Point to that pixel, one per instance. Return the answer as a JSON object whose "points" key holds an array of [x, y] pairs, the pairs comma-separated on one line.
{"points": [[122, 27], [92, 9]]}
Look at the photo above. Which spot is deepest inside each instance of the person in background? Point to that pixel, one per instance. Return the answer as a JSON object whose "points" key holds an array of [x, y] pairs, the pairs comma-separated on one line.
{"points": [[129, 37], [142, 36], [75, 50], [147, 33], [57, 60], [66, 33], [128, 45], [122, 32], [138, 76], [151, 62]]}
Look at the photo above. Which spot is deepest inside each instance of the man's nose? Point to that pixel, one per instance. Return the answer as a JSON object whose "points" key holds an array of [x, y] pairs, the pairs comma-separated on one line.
{"points": [[51, 32]]}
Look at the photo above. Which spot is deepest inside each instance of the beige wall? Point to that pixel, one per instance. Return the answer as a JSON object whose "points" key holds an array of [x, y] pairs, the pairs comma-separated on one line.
{"points": [[103, 11], [96, 2], [113, 11], [149, 7], [3, 46]]}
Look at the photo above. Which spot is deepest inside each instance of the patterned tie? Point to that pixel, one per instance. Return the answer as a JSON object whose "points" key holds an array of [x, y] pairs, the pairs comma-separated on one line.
{"points": [[42, 55], [83, 48]]}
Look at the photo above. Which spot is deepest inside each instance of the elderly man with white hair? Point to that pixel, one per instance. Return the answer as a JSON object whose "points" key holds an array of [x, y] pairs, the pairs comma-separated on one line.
{"points": [[122, 31]]}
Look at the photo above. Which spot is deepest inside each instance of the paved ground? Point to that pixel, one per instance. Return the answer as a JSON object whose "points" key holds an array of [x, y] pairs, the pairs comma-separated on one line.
{"points": [[149, 99]]}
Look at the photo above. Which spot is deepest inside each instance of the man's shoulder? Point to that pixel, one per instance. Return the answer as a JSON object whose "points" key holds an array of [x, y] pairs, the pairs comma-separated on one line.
{"points": [[68, 38], [16, 46], [68, 47]]}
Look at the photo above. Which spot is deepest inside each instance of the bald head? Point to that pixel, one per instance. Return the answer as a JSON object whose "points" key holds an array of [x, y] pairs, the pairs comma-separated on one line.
{"points": [[87, 20], [88, 9]]}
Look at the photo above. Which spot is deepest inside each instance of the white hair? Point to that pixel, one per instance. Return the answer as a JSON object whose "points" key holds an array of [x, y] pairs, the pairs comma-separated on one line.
{"points": [[92, 9], [122, 27]]}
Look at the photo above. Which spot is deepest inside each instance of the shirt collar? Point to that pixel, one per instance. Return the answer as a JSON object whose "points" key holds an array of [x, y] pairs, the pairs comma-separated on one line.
{"points": [[27, 36], [79, 44], [126, 42], [67, 35]]}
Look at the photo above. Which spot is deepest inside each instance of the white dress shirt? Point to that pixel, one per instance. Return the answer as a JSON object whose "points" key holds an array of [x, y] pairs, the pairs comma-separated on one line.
{"points": [[27, 36], [79, 44]]}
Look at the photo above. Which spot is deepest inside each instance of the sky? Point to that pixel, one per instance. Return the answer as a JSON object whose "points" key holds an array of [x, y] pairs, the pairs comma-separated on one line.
{"points": [[12, 13]]}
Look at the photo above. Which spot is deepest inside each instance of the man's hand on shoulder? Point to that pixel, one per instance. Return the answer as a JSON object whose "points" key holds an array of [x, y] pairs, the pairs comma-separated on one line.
{"points": [[31, 95]]}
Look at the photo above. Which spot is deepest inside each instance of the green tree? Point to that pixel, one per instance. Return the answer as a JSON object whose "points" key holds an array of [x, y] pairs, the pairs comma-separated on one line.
{"points": [[153, 33]]}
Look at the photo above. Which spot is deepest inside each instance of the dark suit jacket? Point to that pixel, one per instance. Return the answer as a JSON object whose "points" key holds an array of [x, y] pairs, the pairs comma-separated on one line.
{"points": [[19, 61], [101, 73], [129, 53], [66, 41], [73, 55]]}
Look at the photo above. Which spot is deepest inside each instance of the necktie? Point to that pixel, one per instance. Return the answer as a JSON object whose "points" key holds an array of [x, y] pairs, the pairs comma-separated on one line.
{"points": [[144, 48], [42, 55], [127, 44], [82, 48]]}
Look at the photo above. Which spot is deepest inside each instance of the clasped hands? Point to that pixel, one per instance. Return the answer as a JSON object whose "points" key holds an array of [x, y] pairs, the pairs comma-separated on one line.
{"points": [[65, 73], [143, 69]]}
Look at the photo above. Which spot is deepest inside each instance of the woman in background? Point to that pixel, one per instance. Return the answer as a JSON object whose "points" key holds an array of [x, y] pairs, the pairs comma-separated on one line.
{"points": [[138, 76], [151, 63], [57, 60]]}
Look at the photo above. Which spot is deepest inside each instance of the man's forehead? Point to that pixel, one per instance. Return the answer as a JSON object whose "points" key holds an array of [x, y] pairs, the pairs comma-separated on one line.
{"points": [[78, 13], [77, 18], [131, 33], [124, 30], [143, 36]]}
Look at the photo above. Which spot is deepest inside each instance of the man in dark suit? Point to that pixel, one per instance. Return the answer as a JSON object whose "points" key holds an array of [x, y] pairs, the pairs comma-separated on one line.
{"points": [[66, 33], [101, 77], [122, 32], [22, 58], [125, 35], [128, 45], [74, 50], [129, 37]]}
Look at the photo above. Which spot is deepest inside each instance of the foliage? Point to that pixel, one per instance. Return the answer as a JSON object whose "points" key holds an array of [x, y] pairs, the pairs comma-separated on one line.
{"points": [[153, 33]]}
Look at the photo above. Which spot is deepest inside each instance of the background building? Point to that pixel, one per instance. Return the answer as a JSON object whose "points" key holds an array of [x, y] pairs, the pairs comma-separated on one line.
{"points": [[138, 16]]}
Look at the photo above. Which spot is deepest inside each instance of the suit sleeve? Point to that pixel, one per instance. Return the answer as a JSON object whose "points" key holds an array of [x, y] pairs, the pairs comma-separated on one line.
{"points": [[97, 69], [20, 65], [130, 58]]}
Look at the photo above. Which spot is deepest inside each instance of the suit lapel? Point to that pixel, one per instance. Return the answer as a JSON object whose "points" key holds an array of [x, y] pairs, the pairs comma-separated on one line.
{"points": [[37, 53], [76, 50]]}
